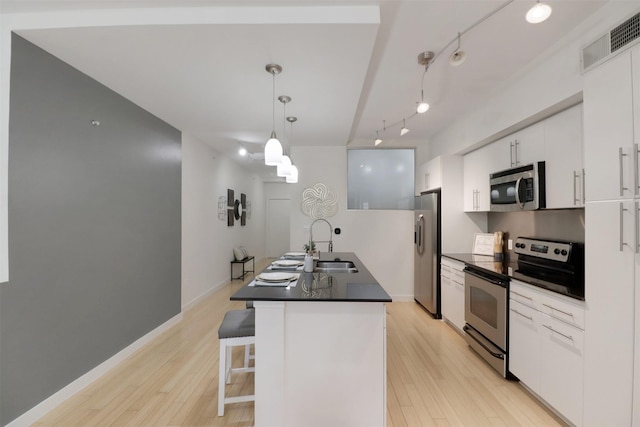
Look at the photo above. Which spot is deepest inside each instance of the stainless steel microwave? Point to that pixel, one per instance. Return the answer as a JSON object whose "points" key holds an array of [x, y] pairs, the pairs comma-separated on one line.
{"points": [[518, 189]]}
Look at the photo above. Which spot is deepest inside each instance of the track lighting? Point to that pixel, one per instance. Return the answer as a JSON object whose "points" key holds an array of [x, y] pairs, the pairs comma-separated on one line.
{"points": [[273, 148], [425, 59], [242, 151], [538, 13], [404, 129], [458, 56], [422, 106], [377, 141]]}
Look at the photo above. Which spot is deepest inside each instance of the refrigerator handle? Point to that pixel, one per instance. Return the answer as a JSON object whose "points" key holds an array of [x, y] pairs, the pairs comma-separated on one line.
{"points": [[420, 234]]}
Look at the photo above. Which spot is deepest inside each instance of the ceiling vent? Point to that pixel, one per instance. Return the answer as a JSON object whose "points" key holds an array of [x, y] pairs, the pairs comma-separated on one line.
{"points": [[614, 40]]}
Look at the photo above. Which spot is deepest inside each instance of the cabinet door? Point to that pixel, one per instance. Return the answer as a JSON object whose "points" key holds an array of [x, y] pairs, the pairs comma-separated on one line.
{"points": [[478, 165], [609, 155], [528, 145], [635, 56], [563, 154], [524, 344], [433, 174], [445, 289], [609, 312], [562, 348]]}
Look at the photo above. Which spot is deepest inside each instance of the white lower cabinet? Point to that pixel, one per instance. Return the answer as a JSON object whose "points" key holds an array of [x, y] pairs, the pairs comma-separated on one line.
{"points": [[561, 380], [524, 344], [546, 346], [452, 291]]}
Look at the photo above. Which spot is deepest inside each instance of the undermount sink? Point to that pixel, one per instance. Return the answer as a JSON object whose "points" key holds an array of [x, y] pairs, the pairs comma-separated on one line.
{"points": [[335, 267]]}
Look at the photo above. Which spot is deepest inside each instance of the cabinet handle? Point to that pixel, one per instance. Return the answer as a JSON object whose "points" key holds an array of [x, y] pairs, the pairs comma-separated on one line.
{"points": [[622, 243], [511, 153], [576, 176], [523, 315], [569, 337], [558, 310], [637, 227], [635, 169], [584, 193], [516, 151], [620, 156], [521, 295]]}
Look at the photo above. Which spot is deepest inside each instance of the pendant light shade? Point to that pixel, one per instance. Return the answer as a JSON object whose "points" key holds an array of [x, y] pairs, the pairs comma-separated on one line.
{"points": [[284, 168], [273, 148], [293, 176], [273, 151], [538, 13]]}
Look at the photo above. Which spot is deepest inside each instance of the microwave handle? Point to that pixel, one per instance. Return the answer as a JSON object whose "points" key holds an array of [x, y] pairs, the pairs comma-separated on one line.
{"points": [[520, 205]]}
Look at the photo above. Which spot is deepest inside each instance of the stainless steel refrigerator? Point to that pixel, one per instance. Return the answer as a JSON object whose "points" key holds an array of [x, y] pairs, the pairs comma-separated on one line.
{"points": [[427, 251]]}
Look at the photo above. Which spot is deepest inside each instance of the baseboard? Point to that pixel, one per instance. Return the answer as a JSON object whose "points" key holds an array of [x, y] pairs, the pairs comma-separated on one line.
{"points": [[53, 401], [402, 298], [202, 296]]}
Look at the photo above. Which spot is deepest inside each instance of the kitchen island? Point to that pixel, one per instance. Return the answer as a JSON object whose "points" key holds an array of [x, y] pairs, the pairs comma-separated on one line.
{"points": [[321, 349]]}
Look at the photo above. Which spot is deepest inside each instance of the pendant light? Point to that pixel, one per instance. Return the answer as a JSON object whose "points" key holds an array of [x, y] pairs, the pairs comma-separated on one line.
{"points": [[377, 141], [284, 168], [292, 178], [538, 13], [273, 148]]}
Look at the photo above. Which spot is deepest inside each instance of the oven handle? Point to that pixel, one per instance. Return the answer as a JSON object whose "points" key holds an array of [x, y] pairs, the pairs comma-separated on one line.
{"points": [[498, 282], [467, 329]]}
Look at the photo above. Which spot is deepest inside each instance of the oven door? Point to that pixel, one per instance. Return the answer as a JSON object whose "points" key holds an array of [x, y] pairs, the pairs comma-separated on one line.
{"points": [[485, 306]]}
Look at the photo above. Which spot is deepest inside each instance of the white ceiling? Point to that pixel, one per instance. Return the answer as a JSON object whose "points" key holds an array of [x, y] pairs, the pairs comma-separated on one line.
{"points": [[345, 68]]}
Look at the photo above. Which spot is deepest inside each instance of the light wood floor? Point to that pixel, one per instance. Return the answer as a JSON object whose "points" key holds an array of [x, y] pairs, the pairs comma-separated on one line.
{"points": [[434, 379]]}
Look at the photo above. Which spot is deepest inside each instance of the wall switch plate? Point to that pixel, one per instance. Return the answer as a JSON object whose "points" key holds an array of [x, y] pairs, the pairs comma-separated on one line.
{"points": [[510, 244]]}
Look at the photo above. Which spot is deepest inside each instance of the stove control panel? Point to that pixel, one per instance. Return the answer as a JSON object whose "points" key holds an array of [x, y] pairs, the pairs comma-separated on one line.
{"points": [[548, 249]]}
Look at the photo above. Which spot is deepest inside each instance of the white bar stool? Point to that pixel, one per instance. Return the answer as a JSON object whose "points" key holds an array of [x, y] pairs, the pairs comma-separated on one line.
{"points": [[237, 328]]}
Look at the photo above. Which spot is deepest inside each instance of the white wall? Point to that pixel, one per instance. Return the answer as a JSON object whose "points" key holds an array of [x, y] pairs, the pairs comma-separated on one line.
{"points": [[207, 243], [382, 239]]}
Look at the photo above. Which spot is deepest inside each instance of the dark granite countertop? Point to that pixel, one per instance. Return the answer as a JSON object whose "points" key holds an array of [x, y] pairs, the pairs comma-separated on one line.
{"points": [[346, 287], [509, 270]]}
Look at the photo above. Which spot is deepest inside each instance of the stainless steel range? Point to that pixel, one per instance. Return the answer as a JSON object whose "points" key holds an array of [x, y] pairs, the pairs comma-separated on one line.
{"points": [[554, 265], [485, 314]]}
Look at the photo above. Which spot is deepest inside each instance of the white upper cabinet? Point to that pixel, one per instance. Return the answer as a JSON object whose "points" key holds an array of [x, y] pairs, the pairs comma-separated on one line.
{"points": [[527, 145], [478, 165], [521, 148], [429, 176], [610, 156], [564, 172]]}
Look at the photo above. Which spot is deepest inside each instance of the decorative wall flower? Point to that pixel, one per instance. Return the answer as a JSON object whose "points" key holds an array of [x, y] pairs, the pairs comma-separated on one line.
{"points": [[319, 202]]}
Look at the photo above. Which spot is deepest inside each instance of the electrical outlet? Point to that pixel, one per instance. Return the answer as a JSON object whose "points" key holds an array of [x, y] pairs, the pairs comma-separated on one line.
{"points": [[510, 244]]}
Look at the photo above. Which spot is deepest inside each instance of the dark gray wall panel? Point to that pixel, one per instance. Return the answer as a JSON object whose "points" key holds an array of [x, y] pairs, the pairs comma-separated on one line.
{"points": [[94, 228]]}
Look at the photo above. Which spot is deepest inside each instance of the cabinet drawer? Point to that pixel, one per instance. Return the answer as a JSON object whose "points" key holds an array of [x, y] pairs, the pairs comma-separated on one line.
{"points": [[458, 277], [525, 294], [563, 308]]}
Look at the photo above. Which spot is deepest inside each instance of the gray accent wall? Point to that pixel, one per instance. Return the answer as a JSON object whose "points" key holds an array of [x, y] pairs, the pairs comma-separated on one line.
{"points": [[94, 228]]}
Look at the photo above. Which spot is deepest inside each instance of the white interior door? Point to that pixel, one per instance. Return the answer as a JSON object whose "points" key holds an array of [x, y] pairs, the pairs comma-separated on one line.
{"points": [[278, 219]]}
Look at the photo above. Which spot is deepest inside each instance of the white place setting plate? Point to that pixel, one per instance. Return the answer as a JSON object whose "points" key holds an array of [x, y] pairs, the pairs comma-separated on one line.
{"points": [[294, 254], [276, 277], [287, 263]]}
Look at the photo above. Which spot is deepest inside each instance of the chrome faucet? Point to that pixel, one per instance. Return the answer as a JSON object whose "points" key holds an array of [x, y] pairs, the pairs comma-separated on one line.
{"points": [[330, 241]]}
